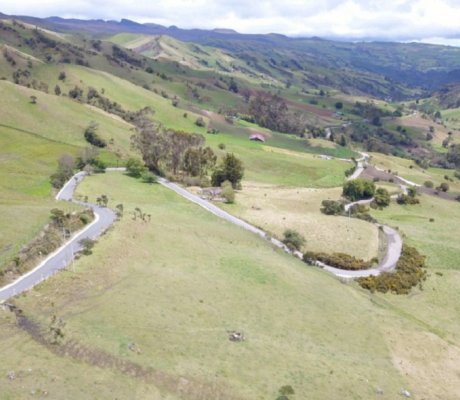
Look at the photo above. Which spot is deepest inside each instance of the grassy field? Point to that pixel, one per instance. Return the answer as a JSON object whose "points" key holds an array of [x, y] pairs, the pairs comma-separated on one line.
{"points": [[285, 164], [176, 304], [32, 138], [276, 209], [407, 169], [303, 328], [130, 96]]}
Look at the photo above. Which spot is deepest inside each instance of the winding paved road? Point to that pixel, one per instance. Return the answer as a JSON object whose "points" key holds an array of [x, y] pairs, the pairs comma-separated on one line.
{"points": [[104, 217], [62, 257]]}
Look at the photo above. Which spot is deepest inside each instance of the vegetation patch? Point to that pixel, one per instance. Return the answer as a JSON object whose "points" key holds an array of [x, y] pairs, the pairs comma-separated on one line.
{"points": [[338, 260], [409, 272]]}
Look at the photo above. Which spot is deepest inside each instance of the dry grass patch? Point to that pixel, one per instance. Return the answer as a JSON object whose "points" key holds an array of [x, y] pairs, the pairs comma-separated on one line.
{"points": [[276, 209]]}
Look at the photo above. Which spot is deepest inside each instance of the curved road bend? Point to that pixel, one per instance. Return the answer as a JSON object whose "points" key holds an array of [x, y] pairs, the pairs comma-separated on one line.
{"points": [[60, 259]]}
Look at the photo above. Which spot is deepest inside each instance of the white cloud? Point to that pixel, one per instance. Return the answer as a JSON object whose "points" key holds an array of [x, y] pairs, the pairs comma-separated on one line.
{"points": [[404, 20]]}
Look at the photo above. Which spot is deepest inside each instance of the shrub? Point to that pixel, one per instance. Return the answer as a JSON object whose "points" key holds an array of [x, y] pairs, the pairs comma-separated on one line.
{"points": [[200, 122], [135, 167], [409, 273], [227, 192], [444, 186], [429, 184], [87, 245], [148, 177], [337, 260], [293, 239], [382, 198], [92, 137], [331, 207], [221, 146]]}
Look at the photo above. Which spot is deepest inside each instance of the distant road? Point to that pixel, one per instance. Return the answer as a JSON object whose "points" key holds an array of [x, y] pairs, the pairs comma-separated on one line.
{"points": [[62, 257]]}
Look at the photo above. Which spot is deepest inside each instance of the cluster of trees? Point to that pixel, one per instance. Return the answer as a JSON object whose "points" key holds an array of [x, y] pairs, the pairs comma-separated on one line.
{"points": [[332, 207], [178, 152], [409, 273], [271, 111], [382, 198], [358, 189]]}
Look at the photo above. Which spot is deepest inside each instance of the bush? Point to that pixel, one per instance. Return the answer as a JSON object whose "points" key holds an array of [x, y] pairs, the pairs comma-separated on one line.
{"points": [[227, 192], [92, 137], [331, 207], [135, 167], [429, 184], [148, 177], [409, 273], [87, 245], [200, 122], [221, 146], [382, 198], [293, 239], [337, 260], [444, 186]]}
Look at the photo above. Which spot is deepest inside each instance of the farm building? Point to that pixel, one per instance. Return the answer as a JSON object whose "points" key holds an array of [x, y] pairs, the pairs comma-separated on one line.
{"points": [[257, 137]]}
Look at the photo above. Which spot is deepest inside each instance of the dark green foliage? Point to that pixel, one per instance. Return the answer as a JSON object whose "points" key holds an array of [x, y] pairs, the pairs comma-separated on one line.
{"points": [[409, 273], [284, 392], [381, 198], [230, 169], [429, 184], [88, 158], [134, 167], [232, 86], [200, 122], [337, 260], [76, 93], [92, 137], [453, 155], [409, 198], [293, 239], [331, 207], [339, 105], [358, 189], [444, 186]]}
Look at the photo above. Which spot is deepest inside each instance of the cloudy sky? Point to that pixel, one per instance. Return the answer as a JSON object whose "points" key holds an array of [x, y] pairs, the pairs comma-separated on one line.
{"points": [[435, 21]]}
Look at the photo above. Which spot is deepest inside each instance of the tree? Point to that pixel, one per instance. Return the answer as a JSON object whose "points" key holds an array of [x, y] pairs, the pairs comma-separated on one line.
{"points": [[343, 141], [227, 192], [134, 167], [339, 105], [232, 86], [62, 76], [429, 184], [293, 239], [33, 99], [65, 170], [197, 161], [358, 189], [231, 169], [453, 154], [382, 198]]}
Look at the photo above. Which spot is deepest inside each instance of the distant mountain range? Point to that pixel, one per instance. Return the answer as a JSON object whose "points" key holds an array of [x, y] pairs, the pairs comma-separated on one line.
{"points": [[385, 69]]}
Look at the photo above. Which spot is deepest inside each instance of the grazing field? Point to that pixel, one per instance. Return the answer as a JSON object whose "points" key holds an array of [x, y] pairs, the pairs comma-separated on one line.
{"points": [[174, 287], [276, 209], [407, 169], [285, 164], [131, 97], [32, 138]]}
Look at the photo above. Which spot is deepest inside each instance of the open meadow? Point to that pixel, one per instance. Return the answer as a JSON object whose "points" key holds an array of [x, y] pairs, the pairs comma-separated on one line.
{"points": [[173, 287]]}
